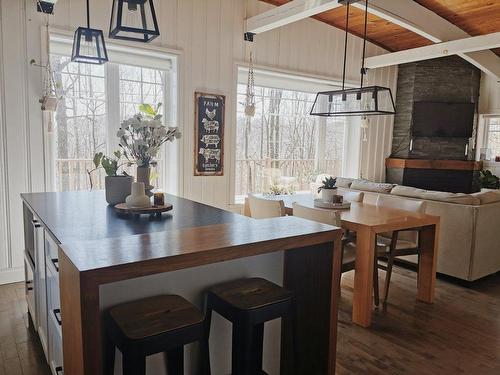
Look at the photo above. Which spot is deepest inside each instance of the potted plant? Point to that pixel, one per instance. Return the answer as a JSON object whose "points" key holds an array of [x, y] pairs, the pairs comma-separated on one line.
{"points": [[141, 138], [328, 189], [118, 186], [488, 180]]}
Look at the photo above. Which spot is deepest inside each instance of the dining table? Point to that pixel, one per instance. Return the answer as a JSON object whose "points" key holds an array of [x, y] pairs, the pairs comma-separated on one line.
{"points": [[368, 221]]}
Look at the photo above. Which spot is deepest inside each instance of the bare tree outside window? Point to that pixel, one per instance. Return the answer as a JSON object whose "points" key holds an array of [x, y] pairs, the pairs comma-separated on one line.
{"points": [[280, 144], [82, 118]]}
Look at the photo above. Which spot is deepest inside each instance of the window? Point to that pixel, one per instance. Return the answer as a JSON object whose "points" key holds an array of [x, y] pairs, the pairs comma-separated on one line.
{"points": [[493, 135], [96, 99], [282, 145]]}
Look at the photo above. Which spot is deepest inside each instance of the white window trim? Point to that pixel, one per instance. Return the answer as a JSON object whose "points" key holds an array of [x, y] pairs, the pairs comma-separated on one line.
{"points": [[273, 77], [483, 135], [149, 56]]}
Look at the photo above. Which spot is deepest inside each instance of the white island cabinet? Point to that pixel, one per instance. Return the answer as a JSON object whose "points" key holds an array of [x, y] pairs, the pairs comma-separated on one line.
{"points": [[42, 289]]}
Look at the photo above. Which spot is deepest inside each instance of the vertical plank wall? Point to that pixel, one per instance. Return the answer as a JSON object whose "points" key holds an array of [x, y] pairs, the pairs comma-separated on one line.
{"points": [[209, 36]]}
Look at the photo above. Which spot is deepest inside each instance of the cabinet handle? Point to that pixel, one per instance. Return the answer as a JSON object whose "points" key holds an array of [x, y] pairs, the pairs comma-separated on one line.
{"points": [[59, 370], [55, 262], [28, 283], [35, 223], [57, 314]]}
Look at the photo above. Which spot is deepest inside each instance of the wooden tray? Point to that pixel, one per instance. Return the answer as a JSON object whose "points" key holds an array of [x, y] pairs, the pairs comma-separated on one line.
{"points": [[122, 209], [334, 206]]}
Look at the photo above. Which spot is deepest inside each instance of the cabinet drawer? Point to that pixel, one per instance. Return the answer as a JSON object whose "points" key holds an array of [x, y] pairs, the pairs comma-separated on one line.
{"points": [[51, 247], [29, 274], [56, 352], [53, 297]]}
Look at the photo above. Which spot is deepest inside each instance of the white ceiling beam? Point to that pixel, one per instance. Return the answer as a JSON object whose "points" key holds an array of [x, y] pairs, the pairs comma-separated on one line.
{"points": [[466, 45], [290, 12], [422, 21], [405, 13]]}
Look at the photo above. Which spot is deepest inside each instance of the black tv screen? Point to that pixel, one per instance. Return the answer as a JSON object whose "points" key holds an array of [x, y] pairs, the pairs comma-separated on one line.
{"points": [[451, 120]]}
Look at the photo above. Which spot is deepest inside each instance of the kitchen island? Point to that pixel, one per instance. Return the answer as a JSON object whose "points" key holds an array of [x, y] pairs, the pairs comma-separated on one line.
{"points": [[93, 259]]}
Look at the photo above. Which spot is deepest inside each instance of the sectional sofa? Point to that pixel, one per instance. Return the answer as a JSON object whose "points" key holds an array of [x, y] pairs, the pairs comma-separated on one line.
{"points": [[469, 246]]}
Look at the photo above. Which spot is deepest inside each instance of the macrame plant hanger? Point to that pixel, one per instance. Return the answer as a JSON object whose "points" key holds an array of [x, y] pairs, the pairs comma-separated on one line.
{"points": [[250, 93]]}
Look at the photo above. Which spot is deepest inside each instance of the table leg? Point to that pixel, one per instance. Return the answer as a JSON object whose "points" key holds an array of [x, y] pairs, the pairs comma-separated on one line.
{"points": [[363, 278], [429, 237], [309, 339], [81, 321]]}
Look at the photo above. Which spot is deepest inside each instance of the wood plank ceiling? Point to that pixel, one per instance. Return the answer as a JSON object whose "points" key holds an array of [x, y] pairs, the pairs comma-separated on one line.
{"points": [[476, 17]]}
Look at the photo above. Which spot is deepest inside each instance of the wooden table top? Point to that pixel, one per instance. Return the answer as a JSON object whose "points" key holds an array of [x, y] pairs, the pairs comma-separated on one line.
{"points": [[82, 215], [94, 238], [379, 219]]}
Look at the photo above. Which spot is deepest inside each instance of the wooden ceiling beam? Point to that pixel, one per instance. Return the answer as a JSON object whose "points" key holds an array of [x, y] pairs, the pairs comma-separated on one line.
{"points": [[405, 13], [413, 16], [463, 46], [288, 13]]}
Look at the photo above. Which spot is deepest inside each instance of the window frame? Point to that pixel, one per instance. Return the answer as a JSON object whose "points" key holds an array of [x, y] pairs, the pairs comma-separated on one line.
{"points": [[486, 121], [352, 133], [147, 56]]}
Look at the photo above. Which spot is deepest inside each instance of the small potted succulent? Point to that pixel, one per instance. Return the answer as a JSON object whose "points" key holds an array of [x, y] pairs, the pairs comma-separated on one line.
{"points": [[328, 189], [118, 186]]}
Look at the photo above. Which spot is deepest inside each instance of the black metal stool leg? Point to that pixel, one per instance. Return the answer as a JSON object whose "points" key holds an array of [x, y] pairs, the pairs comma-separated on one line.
{"points": [[258, 347], [134, 364], [175, 361], [204, 344], [109, 356], [242, 350]]}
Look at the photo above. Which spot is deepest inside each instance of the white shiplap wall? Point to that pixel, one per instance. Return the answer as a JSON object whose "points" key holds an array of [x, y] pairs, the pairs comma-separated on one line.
{"points": [[209, 36]]}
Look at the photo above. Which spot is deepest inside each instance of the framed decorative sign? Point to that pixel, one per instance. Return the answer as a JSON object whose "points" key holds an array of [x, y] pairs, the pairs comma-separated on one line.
{"points": [[209, 134]]}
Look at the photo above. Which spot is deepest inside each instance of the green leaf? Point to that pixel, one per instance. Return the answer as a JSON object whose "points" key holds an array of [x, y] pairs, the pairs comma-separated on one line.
{"points": [[110, 166], [118, 154], [97, 159], [147, 109]]}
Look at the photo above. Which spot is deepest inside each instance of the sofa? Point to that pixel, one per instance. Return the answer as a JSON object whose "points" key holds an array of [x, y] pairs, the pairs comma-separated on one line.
{"points": [[469, 245]]}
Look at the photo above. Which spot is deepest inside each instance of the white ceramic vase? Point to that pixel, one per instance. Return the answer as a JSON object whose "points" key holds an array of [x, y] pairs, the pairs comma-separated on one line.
{"points": [[327, 195], [138, 198]]}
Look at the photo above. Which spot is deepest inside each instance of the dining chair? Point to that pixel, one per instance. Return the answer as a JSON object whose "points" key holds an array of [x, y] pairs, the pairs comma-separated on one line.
{"points": [[399, 243], [261, 208], [348, 246], [353, 196]]}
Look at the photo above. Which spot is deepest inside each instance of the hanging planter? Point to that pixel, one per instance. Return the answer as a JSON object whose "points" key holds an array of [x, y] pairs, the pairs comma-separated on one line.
{"points": [[88, 45], [250, 94], [50, 97]]}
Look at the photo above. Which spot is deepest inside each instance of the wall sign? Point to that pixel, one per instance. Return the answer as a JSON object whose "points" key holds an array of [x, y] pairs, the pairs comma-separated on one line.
{"points": [[209, 134]]}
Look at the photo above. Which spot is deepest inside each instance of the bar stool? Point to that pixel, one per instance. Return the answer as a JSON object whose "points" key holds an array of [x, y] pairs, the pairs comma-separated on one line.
{"points": [[148, 326], [247, 304]]}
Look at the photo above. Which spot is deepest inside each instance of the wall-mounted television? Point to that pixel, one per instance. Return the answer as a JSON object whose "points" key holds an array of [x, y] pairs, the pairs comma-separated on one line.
{"points": [[435, 119]]}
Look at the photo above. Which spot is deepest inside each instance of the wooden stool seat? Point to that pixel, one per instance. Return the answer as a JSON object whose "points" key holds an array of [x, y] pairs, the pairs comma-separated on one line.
{"points": [[248, 294], [154, 316], [149, 326]]}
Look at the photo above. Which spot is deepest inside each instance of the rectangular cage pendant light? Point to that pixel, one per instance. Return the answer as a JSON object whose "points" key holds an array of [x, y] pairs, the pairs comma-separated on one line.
{"points": [[365, 101], [361, 101], [89, 47], [133, 20]]}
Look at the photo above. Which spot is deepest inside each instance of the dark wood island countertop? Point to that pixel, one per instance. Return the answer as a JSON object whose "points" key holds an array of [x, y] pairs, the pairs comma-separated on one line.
{"points": [[99, 247]]}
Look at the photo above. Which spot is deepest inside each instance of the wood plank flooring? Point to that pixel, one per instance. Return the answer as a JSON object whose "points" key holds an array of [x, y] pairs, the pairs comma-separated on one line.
{"points": [[459, 334]]}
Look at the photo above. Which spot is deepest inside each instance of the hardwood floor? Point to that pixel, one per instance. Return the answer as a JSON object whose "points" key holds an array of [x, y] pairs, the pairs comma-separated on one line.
{"points": [[459, 334]]}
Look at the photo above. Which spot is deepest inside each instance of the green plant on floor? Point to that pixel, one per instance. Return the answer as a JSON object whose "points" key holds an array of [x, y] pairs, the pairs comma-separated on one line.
{"points": [[488, 180], [328, 183]]}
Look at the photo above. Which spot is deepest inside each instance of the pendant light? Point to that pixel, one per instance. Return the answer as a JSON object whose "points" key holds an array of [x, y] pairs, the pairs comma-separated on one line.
{"points": [[89, 46], [46, 6], [134, 20], [362, 101]]}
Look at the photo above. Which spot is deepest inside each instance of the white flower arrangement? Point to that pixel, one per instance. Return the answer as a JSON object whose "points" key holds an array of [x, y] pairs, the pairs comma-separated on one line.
{"points": [[142, 135]]}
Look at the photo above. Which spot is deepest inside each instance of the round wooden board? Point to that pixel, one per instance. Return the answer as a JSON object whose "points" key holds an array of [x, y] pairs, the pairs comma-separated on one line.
{"points": [[122, 208], [333, 206]]}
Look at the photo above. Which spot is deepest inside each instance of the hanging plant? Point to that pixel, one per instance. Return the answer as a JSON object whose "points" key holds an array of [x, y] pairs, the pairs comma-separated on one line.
{"points": [[250, 94], [50, 97]]}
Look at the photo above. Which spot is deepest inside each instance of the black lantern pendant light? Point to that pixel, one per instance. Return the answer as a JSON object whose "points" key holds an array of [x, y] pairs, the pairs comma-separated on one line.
{"points": [[362, 101], [134, 20], [89, 46]]}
